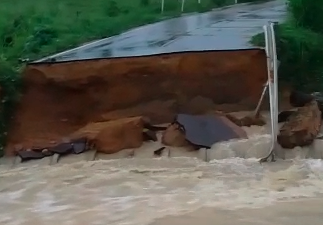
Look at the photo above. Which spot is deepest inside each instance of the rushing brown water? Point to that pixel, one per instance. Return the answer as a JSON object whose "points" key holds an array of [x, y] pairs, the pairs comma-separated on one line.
{"points": [[145, 190]]}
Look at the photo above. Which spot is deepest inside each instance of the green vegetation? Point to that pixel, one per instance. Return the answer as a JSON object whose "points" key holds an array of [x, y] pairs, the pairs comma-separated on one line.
{"points": [[300, 45], [32, 29]]}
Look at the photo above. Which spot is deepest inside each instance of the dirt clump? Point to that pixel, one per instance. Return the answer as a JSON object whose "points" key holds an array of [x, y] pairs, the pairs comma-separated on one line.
{"points": [[113, 136], [302, 126], [174, 136]]}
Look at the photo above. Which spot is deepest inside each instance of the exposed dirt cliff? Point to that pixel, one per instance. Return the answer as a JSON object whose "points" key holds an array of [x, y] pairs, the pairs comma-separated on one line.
{"points": [[60, 98]]}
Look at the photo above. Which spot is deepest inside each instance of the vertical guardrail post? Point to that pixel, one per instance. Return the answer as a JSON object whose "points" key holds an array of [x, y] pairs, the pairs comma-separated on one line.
{"points": [[275, 70], [272, 71], [162, 6], [182, 7]]}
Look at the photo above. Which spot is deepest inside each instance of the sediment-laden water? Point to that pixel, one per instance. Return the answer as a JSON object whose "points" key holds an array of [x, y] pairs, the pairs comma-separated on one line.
{"points": [[139, 191]]}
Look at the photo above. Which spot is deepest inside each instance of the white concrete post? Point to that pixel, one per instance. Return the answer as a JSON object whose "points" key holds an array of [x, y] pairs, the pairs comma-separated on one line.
{"points": [[162, 5], [183, 2], [272, 84]]}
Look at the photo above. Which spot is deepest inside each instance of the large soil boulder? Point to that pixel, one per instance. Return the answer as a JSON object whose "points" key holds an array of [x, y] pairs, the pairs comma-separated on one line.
{"points": [[301, 127], [174, 136], [201, 131], [113, 136]]}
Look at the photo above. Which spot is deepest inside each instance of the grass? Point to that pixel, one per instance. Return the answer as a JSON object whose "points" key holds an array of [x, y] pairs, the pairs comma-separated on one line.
{"points": [[300, 45], [32, 29]]}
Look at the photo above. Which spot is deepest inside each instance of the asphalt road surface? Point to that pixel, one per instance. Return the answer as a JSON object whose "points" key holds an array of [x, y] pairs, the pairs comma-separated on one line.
{"points": [[221, 29]]}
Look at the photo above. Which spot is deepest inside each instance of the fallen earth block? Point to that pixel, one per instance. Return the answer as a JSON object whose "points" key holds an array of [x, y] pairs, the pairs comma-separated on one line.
{"points": [[113, 136], [174, 136], [201, 131], [62, 148], [75, 146], [30, 155], [302, 126]]}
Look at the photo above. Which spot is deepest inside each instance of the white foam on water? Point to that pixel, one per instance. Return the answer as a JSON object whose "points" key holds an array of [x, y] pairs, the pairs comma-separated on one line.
{"points": [[137, 191]]}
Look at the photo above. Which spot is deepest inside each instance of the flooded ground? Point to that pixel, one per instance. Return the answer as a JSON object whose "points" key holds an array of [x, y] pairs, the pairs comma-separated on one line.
{"points": [[183, 188], [223, 185], [297, 212]]}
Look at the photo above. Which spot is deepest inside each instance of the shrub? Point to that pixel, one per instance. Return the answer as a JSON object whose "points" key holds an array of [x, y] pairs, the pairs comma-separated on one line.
{"points": [[9, 83], [307, 13], [112, 8], [300, 45]]}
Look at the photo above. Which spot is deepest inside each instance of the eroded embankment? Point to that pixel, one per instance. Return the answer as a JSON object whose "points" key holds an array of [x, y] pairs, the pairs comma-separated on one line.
{"points": [[59, 98]]}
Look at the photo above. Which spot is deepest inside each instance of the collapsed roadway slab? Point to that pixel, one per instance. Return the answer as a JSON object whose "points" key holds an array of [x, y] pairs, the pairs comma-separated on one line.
{"points": [[62, 96]]}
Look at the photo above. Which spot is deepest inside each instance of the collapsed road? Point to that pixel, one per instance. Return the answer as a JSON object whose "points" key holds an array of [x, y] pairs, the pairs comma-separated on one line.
{"points": [[74, 97], [87, 85]]}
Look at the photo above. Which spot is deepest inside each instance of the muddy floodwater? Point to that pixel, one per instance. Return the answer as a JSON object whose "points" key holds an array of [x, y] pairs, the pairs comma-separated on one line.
{"points": [[224, 185], [181, 189]]}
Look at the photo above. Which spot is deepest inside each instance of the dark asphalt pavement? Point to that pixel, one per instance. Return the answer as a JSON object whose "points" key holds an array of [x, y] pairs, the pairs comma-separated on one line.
{"points": [[221, 29]]}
